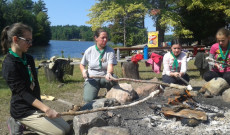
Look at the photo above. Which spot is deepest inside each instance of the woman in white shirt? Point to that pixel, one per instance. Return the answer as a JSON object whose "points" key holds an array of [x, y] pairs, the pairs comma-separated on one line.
{"points": [[175, 65]]}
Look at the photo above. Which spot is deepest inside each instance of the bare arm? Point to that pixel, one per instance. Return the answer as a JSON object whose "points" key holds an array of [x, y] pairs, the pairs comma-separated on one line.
{"points": [[82, 68], [48, 111], [110, 68]]}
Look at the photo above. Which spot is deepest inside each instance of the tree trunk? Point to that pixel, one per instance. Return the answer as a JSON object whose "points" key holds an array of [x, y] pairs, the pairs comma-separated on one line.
{"points": [[130, 70], [124, 31]]}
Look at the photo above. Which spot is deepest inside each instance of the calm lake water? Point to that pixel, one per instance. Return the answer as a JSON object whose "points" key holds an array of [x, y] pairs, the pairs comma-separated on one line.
{"points": [[73, 49]]}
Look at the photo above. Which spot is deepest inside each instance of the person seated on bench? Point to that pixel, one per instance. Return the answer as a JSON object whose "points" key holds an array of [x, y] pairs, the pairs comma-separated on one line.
{"points": [[175, 65], [219, 52], [100, 59]]}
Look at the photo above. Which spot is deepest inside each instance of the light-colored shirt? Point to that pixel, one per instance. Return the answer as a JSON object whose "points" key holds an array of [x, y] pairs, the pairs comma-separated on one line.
{"points": [[168, 60], [91, 58]]}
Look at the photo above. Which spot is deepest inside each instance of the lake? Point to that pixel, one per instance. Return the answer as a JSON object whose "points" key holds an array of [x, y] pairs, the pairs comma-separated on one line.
{"points": [[73, 49]]}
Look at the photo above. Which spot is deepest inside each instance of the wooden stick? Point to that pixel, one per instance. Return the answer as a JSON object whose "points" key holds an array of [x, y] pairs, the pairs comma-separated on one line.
{"points": [[108, 108], [144, 81], [215, 61]]}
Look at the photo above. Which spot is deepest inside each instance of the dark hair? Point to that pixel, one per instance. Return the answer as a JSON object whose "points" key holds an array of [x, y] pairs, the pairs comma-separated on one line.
{"points": [[223, 31], [176, 41], [98, 31], [16, 29]]}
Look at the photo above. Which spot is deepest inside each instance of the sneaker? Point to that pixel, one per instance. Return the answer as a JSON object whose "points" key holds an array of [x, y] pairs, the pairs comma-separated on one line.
{"points": [[15, 127]]}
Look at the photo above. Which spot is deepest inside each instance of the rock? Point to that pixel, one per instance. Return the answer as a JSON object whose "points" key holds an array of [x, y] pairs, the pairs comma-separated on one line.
{"points": [[122, 93], [226, 95], [109, 130], [146, 89], [190, 122], [215, 86], [173, 92], [82, 123], [99, 103]]}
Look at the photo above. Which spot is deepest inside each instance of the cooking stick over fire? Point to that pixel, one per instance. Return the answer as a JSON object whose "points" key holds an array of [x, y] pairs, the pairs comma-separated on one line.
{"points": [[144, 81], [108, 108]]}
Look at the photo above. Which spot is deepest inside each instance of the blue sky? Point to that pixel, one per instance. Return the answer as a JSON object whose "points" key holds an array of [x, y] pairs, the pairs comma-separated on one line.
{"points": [[74, 12]]}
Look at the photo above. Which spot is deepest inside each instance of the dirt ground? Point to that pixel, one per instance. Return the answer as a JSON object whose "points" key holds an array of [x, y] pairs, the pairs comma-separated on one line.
{"points": [[137, 114]]}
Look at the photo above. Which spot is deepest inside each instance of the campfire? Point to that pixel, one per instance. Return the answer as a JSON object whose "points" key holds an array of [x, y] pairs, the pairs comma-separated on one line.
{"points": [[174, 110], [182, 107]]}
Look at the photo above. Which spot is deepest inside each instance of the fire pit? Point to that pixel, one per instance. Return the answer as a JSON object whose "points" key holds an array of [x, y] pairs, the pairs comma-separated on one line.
{"points": [[173, 114], [148, 118]]}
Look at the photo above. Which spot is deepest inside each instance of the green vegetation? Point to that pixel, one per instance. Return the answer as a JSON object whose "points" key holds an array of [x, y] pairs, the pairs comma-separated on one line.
{"points": [[127, 18], [72, 32], [28, 12], [192, 19]]}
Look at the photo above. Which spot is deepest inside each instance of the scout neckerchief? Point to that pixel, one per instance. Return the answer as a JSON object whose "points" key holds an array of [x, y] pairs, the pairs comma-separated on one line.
{"points": [[224, 56], [101, 55], [24, 61], [175, 62]]}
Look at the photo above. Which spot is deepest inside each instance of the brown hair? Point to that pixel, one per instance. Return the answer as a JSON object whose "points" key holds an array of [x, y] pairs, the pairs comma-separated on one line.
{"points": [[223, 32], [98, 31], [16, 29], [176, 41]]}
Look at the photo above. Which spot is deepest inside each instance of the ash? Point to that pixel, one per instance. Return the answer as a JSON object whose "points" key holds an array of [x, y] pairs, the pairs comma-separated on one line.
{"points": [[143, 119]]}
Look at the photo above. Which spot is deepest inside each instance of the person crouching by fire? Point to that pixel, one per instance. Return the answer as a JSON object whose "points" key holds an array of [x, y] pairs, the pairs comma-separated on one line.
{"points": [[175, 65], [100, 59], [219, 53]]}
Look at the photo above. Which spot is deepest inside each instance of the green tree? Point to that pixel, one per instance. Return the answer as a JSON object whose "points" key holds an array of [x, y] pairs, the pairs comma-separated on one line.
{"points": [[39, 6], [72, 32], [24, 11], [2, 16], [117, 12], [43, 34], [196, 19]]}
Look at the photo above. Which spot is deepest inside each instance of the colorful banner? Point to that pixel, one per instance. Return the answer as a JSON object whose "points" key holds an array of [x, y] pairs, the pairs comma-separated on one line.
{"points": [[153, 39]]}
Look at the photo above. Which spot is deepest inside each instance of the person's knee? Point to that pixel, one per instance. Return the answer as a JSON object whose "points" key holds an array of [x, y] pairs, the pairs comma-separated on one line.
{"points": [[227, 77], [168, 79], [88, 98], [60, 132], [67, 129], [209, 75]]}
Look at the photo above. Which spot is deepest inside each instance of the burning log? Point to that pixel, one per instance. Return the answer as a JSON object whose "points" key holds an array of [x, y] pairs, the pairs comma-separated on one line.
{"points": [[187, 113], [181, 98]]}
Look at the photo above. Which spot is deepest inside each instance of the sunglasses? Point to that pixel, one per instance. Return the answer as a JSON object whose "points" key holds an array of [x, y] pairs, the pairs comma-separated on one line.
{"points": [[28, 41]]}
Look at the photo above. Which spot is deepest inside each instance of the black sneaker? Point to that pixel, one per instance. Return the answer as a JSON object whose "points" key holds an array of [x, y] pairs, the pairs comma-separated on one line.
{"points": [[15, 127]]}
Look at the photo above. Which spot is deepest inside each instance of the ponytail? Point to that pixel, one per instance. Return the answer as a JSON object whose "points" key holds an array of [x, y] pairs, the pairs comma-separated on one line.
{"points": [[4, 40]]}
